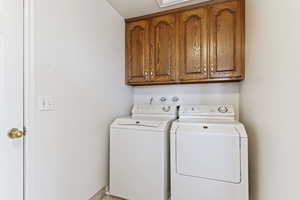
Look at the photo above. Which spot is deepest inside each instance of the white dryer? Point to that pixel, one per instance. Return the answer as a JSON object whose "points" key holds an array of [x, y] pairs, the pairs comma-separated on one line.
{"points": [[209, 155], [139, 153]]}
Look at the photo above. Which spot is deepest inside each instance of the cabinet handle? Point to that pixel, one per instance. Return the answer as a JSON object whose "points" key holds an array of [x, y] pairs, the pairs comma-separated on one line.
{"points": [[212, 67], [152, 74], [146, 75]]}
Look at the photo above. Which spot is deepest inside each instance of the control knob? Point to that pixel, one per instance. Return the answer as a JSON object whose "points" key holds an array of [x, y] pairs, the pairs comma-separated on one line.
{"points": [[223, 109]]}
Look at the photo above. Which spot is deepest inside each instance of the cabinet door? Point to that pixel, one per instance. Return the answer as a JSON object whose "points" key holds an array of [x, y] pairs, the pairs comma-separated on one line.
{"points": [[137, 50], [226, 47], [194, 45], [163, 49]]}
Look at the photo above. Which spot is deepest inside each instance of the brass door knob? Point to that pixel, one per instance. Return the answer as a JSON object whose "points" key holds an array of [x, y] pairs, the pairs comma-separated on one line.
{"points": [[15, 133]]}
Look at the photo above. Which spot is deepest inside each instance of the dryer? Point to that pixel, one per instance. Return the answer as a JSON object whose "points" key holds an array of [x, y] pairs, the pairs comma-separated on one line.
{"points": [[209, 155], [139, 153]]}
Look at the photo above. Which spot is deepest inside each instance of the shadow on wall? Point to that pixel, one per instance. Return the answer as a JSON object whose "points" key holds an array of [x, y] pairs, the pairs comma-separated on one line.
{"points": [[253, 160]]}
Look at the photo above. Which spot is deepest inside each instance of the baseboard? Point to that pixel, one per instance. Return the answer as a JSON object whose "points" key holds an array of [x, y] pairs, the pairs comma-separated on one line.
{"points": [[99, 195]]}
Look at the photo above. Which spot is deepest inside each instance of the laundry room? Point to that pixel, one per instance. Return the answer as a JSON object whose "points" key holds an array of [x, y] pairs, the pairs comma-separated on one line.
{"points": [[149, 100]]}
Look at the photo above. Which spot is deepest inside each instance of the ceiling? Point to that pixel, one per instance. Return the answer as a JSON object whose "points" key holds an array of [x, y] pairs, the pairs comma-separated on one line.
{"points": [[135, 8]]}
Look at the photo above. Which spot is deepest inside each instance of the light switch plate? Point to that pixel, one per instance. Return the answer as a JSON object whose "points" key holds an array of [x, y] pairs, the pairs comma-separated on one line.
{"points": [[46, 103]]}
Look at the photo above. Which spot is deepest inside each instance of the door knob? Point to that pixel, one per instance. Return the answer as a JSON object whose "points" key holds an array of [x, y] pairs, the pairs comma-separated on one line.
{"points": [[15, 133]]}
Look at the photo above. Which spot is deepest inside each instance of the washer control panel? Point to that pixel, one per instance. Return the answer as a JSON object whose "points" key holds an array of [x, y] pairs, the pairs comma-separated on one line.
{"points": [[223, 109], [154, 109]]}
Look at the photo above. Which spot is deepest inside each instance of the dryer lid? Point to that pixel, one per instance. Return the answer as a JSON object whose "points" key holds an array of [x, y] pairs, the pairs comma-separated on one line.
{"points": [[209, 153]]}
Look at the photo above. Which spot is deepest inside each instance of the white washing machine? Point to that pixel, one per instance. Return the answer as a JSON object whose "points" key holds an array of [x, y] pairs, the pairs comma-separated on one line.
{"points": [[209, 155], [139, 153]]}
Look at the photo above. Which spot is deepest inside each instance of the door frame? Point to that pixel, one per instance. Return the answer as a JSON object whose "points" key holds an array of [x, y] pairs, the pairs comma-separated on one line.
{"points": [[29, 94]]}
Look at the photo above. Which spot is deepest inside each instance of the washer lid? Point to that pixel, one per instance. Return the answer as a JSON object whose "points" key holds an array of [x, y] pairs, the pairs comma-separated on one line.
{"points": [[150, 124], [209, 153], [138, 122]]}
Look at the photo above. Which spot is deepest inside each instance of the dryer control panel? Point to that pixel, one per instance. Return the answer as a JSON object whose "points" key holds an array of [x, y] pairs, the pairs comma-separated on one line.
{"points": [[207, 111]]}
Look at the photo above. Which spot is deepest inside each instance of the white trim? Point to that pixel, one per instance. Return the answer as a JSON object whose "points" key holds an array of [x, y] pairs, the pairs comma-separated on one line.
{"points": [[166, 3], [99, 195], [29, 93]]}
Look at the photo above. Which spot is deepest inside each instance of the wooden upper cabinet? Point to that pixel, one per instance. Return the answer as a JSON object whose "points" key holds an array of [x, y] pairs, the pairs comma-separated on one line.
{"points": [[137, 51], [193, 45], [198, 43], [226, 43], [163, 45]]}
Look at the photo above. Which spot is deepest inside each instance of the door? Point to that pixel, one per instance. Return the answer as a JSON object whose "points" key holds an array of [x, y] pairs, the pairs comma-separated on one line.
{"points": [[11, 99], [163, 49], [209, 153], [137, 44], [226, 41], [194, 45]]}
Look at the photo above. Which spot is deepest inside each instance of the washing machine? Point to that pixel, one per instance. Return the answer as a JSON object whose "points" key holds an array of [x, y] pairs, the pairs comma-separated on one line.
{"points": [[139, 153], [209, 155]]}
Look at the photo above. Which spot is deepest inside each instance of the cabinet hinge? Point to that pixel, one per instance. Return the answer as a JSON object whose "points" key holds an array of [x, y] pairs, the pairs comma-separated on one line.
{"points": [[24, 130]]}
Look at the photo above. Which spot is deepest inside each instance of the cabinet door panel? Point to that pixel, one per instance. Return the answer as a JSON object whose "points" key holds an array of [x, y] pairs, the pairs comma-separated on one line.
{"points": [[137, 51], [193, 44], [226, 41], [163, 48]]}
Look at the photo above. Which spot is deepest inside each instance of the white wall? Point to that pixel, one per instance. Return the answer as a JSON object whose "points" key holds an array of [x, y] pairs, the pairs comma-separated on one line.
{"points": [[212, 93], [143, 7], [78, 60], [270, 98]]}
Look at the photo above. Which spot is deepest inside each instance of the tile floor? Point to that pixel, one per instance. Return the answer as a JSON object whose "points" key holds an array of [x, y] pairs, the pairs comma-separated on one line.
{"points": [[110, 198]]}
